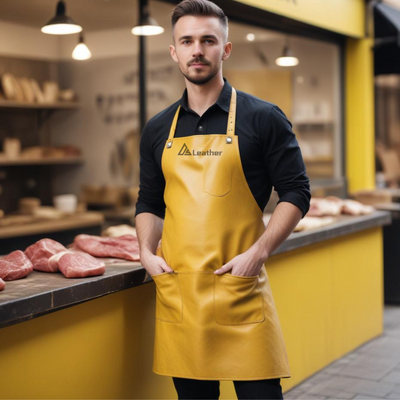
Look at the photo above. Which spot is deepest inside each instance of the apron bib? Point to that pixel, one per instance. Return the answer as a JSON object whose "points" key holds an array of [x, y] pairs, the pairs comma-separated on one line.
{"points": [[212, 327]]}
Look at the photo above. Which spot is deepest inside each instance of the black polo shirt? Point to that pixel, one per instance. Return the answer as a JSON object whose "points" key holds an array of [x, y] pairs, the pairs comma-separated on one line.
{"points": [[269, 151]]}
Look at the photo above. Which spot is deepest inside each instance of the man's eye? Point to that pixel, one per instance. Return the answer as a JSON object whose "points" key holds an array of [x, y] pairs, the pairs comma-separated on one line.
{"points": [[185, 41], [209, 41]]}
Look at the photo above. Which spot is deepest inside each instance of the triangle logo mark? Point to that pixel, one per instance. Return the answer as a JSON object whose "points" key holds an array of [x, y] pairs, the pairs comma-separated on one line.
{"points": [[184, 151]]}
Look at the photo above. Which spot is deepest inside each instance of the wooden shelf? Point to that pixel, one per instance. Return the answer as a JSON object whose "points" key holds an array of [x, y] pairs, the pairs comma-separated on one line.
{"points": [[318, 159], [312, 122], [38, 226], [36, 106], [42, 161]]}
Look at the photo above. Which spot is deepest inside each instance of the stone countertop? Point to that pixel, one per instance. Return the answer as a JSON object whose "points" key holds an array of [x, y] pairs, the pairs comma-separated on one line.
{"points": [[344, 225], [42, 293]]}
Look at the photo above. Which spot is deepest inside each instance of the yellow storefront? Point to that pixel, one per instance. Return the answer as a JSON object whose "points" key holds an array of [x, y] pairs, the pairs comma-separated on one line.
{"points": [[328, 290]]}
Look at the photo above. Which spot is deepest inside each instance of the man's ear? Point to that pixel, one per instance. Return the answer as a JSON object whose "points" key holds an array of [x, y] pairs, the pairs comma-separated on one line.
{"points": [[173, 53], [227, 51]]}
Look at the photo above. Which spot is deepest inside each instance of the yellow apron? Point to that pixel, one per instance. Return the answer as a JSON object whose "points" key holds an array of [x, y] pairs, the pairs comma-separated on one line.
{"points": [[208, 326]]}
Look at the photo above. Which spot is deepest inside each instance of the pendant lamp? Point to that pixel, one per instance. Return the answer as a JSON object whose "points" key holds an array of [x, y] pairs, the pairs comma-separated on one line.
{"points": [[147, 26], [61, 24], [287, 59], [81, 51]]}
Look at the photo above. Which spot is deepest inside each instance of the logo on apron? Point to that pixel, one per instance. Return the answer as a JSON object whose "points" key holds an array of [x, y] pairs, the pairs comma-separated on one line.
{"points": [[184, 151]]}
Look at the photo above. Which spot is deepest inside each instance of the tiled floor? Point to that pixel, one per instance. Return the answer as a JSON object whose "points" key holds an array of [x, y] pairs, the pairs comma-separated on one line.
{"points": [[370, 372]]}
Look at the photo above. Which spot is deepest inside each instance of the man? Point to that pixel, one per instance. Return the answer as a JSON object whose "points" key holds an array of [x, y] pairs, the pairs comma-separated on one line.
{"points": [[208, 163]]}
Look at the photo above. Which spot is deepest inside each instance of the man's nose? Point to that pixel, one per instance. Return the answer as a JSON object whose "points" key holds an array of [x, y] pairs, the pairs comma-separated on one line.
{"points": [[198, 50]]}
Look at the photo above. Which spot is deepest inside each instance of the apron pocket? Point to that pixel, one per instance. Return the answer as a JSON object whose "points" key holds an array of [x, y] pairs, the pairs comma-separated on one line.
{"points": [[237, 300], [217, 178], [169, 306]]}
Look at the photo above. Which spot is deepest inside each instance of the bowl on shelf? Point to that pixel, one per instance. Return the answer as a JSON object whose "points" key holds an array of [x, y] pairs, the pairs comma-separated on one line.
{"points": [[28, 205], [66, 203]]}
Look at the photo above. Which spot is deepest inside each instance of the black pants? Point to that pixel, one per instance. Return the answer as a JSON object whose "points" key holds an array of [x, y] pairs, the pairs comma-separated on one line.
{"points": [[197, 389]]}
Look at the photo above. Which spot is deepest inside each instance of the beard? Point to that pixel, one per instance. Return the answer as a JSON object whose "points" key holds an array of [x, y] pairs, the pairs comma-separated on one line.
{"points": [[200, 78]]}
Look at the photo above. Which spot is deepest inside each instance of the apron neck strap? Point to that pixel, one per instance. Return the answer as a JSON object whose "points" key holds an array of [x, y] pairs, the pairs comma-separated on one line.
{"points": [[230, 129], [173, 125]]}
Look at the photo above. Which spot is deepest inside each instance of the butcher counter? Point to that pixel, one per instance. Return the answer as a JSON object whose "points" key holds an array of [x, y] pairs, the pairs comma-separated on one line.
{"points": [[94, 337]]}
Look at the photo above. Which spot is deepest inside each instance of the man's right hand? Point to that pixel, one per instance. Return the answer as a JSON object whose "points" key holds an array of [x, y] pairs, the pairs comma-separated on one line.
{"points": [[149, 229], [154, 264]]}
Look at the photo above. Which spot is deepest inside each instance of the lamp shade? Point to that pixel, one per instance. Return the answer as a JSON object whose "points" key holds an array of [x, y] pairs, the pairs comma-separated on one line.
{"points": [[61, 24], [287, 59], [148, 27]]}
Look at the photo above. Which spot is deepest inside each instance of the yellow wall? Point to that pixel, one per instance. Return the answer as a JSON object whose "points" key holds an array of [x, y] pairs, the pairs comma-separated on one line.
{"points": [[341, 16], [360, 118], [329, 298]]}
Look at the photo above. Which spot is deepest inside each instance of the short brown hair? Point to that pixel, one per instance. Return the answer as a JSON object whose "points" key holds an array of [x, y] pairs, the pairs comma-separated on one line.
{"points": [[200, 8]]}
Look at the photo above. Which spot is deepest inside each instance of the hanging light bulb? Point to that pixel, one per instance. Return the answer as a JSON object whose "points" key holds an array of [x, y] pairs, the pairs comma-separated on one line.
{"points": [[147, 26], [61, 24], [287, 59], [250, 37], [81, 51]]}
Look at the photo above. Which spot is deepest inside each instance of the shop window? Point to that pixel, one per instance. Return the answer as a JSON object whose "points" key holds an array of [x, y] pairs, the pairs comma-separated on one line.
{"points": [[309, 93]]}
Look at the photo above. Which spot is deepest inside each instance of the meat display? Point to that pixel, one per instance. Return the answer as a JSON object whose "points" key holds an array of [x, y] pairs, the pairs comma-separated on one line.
{"points": [[353, 207], [78, 265], [50, 256], [15, 265], [119, 230], [320, 207], [125, 247], [40, 253], [2, 285], [332, 205]]}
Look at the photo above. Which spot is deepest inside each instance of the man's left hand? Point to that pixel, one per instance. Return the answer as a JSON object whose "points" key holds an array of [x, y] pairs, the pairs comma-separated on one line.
{"points": [[248, 263]]}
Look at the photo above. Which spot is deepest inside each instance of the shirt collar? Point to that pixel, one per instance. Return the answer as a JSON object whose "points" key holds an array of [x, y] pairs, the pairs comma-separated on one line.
{"points": [[224, 99]]}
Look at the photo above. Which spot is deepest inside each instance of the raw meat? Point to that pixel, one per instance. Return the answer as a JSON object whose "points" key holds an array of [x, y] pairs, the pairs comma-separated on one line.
{"points": [[40, 252], [354, 207], [333, 205], [320, 207], [74, 265], [308, 223], [119, 230], [335, 199], [15, 265], [2, 285], [53, 260], [125, 247]]}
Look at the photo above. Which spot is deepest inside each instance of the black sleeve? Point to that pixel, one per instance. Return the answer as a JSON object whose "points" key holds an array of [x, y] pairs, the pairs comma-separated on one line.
{"points": [[284, 161], [152, 182]]}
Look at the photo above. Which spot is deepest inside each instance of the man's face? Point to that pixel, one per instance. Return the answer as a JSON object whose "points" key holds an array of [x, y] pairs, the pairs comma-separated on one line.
{"points": [[199, 48]]}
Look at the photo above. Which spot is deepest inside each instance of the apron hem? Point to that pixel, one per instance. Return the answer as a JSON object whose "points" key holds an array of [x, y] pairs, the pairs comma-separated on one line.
{"points": [[223, 379]]}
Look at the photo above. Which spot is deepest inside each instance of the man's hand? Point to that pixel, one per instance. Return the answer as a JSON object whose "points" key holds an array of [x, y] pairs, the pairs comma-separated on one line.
{"points": [[248, 263], [154, 264], [149, 228]]}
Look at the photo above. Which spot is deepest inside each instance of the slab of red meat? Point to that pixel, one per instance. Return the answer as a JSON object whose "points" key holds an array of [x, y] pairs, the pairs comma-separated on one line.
{"points": [[125, 247], [78, 265], [2, 285], [53, 260], [15, 265], [40, 252]]}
